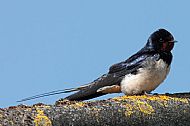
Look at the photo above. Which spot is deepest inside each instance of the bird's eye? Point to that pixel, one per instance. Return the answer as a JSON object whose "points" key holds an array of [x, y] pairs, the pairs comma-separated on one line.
{"points": [[161, 40]]}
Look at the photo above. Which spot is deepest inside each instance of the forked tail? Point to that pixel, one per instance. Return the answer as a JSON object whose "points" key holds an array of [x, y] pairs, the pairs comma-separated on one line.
{"points": [[49, 94]]}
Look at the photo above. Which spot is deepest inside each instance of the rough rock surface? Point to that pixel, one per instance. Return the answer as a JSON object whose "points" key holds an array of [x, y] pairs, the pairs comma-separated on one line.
{"points": [[149, 110]]}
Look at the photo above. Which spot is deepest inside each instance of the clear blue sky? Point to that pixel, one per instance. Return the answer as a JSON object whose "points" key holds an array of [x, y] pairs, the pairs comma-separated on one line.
{"points": [[49, 45]]}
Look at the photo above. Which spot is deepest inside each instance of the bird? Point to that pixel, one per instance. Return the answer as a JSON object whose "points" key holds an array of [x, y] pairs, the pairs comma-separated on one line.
{"points": [[140, 74]]}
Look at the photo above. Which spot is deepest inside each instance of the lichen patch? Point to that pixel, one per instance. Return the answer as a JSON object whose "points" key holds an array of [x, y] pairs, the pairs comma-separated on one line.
{"points": [[78, 105], [129, 109], [157, 98], [41, 119], [141, 102], [145, 107]]}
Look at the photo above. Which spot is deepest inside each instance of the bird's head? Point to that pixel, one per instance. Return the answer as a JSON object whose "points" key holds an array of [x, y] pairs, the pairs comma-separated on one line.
{"points": [[161, 40]]}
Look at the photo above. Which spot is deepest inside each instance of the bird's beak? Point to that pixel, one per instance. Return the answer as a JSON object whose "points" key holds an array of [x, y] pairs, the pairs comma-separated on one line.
{"points": [[174, 41]]}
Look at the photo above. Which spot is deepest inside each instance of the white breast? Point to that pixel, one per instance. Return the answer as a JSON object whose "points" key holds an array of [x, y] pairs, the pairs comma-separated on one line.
{"points": [[147, 79]]}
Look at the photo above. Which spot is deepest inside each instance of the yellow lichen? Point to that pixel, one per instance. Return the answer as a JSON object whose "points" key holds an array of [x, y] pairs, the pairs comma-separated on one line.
{"points": [[1, 116], [141, 106], [140, 102], [129, 109], [78, 104], [95, 109], [40, 105], [41, 119], [158, 98], [145, 107]]}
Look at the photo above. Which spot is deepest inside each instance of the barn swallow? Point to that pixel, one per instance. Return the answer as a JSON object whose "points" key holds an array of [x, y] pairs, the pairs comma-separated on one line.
{"points": [[141, 73]]}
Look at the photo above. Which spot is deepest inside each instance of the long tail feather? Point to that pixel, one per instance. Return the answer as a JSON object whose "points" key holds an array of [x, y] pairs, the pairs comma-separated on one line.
{"points": [[50, 93]]}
